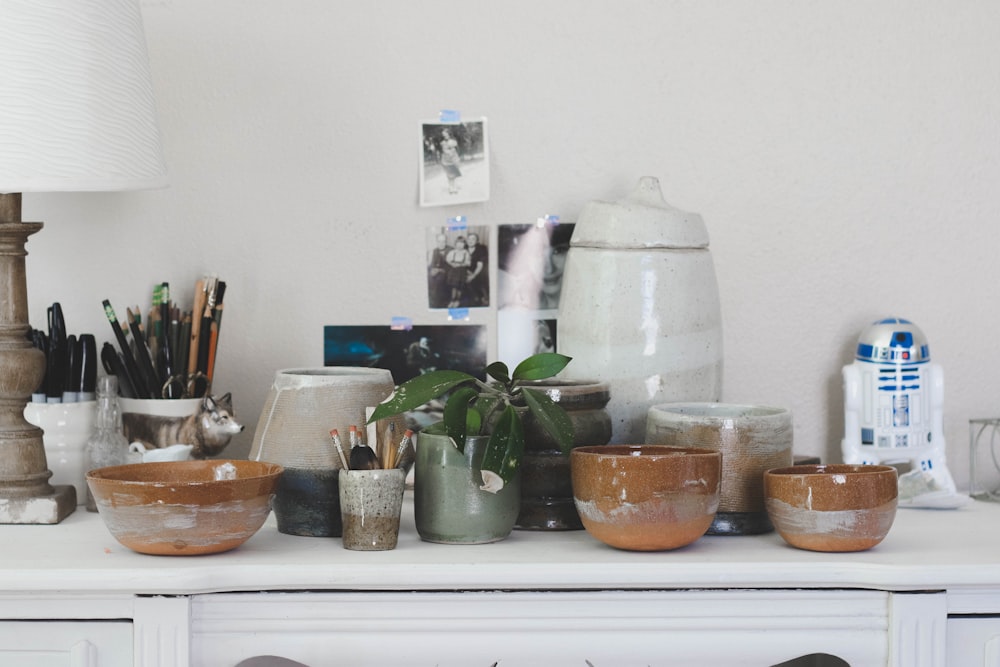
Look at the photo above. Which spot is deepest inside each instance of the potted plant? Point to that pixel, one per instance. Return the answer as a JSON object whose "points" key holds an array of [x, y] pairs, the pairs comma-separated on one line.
{"points": [[494, 408]]}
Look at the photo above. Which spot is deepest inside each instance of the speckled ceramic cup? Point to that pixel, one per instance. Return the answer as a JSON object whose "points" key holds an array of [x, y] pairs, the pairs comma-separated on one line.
{"points": [[835, 507], [645, 497], [370, 504]]}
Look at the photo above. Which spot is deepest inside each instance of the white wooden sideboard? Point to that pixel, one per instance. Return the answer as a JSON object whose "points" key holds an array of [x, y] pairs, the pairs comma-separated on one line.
{"points": [[928, 596]]}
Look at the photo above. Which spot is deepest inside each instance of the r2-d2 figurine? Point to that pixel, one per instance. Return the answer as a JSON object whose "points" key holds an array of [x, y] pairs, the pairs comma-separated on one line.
{"points": [[893, 410]]}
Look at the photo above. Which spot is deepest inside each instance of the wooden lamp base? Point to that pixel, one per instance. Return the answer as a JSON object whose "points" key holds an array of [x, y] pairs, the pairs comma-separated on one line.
{"points": [[26, 497]]}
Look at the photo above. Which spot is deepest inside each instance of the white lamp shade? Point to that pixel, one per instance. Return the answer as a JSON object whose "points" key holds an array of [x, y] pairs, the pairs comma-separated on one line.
{"points": [[76, 101]]}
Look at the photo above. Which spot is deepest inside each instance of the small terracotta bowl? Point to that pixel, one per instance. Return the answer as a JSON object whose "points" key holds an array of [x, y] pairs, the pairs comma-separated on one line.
{"points": [[184, 508], [832, 507], [645, 497]]}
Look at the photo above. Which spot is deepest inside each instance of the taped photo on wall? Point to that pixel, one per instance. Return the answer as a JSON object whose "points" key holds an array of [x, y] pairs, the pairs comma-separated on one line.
{"points": [[454, 163], [530, 262], [407, 353], [458, 266]]}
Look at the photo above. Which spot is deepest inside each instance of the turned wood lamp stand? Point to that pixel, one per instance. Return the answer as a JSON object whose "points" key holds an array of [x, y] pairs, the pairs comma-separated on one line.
{"points": [[25, 493]]}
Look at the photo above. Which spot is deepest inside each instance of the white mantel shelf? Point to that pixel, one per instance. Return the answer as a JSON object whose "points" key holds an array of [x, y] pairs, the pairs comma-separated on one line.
{"points": [[927, 596], [925, 550]]}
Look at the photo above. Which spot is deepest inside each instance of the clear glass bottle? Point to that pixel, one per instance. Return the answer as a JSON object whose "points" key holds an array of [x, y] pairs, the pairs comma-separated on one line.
{"points": [[108, 445]]}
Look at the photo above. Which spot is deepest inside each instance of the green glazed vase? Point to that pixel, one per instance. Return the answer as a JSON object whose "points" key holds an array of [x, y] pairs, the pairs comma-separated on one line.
{"points": [[448, 505]]}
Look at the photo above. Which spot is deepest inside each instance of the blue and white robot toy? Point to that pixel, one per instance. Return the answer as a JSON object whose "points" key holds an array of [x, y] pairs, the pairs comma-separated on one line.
{"points": [[893, 412]]}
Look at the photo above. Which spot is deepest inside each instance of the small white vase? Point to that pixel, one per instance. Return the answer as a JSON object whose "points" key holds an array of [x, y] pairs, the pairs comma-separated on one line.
{"points": [[640, 307]]}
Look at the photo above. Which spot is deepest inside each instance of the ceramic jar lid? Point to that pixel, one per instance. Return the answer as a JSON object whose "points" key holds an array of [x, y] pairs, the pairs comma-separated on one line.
{"points": [[641, 220]]}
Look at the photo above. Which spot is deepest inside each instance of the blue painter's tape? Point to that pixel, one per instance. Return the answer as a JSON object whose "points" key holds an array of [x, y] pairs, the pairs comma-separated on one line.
{"points": [[458, 313], [401, 324], [450, 116], [459, 222]]}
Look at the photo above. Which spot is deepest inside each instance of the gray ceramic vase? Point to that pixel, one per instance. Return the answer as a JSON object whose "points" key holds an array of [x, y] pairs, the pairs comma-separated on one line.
{"points": [[448, 505], [294, 431]]}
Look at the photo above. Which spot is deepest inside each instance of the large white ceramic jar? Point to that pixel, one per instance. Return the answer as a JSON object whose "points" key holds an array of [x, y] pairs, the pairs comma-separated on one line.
{"points": [[640, 307]]}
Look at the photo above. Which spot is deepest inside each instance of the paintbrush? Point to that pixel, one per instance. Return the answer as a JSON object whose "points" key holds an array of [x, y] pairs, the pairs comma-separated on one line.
{"points": [[362, 457], [340, 448]]}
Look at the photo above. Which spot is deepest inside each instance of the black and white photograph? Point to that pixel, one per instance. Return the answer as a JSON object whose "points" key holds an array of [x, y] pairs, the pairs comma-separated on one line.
{"points": [[458, 263], [530, 263], [454, 163]]}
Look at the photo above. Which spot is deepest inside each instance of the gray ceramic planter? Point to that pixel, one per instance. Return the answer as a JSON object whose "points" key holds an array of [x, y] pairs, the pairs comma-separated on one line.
{"points": [[448, 505]]}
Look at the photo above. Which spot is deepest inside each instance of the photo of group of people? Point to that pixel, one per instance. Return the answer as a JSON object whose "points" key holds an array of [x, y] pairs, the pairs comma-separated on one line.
{"points": [[454, 163], [458, 262]]}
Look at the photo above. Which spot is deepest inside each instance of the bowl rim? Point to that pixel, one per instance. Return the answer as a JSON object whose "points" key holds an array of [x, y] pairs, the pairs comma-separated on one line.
{"points": [[106, 474], [829, 469], [641, 450], [719, 411]]}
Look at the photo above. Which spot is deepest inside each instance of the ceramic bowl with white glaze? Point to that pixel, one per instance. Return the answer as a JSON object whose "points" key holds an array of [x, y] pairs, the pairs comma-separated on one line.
{"points": [[645, 497], [835, 507], [184, 508]]}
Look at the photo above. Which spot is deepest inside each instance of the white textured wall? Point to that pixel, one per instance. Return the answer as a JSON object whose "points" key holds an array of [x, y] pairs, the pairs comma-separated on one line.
{"points": [[844, 156]]}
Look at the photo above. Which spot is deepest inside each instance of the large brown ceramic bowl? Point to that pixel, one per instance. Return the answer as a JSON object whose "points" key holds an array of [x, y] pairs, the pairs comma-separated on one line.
{"points": [[832, 507], [184, 508], [645, 497]]}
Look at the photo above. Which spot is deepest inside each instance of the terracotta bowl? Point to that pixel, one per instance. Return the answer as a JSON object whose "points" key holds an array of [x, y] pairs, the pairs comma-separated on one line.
{"points": [[645, 497], [184, 508], [832, 507]]}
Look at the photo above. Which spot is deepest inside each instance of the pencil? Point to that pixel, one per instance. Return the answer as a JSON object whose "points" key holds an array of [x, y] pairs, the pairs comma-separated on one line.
{"points": [[131, 369], [195, 340], [213, 340], [145, 362], [216, 327], [185, 340], [164, 339]]}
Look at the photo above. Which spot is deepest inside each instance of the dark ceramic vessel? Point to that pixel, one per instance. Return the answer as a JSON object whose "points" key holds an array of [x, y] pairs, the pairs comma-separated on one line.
{"points": [[546, 486], [307, 502]]}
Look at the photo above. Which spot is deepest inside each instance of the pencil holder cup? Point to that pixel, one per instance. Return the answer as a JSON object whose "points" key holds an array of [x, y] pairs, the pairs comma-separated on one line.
{"points": [[371, 502], [66, 428], [303, 406]]}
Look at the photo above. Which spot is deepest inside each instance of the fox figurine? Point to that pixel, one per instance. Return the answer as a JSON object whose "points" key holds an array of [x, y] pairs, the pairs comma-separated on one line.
{"points": [[208, 430]]}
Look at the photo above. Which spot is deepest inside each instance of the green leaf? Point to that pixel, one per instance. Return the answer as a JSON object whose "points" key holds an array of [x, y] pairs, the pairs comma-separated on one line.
{"points": [[415, 392], [473, 422], [540, 366], [505, 447], [486, 406], [551, 416], [456, 414], [498, 371]]}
